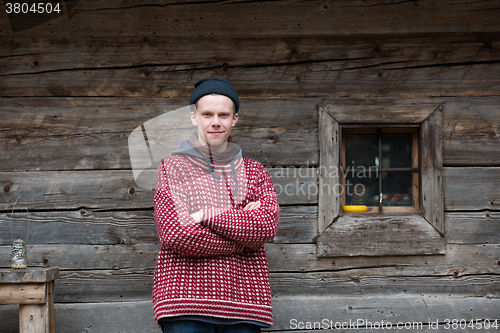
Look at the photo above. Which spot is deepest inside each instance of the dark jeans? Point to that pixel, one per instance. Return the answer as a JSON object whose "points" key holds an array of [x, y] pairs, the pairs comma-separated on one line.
{"points": [[193, 326]]}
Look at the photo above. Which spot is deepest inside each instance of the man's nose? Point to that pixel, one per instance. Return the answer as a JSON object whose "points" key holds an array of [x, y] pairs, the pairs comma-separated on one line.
{"points": [[215, 121]]}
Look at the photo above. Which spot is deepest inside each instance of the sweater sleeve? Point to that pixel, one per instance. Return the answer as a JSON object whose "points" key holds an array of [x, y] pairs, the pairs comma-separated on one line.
{"points": [[251, 228], [177, 230]]}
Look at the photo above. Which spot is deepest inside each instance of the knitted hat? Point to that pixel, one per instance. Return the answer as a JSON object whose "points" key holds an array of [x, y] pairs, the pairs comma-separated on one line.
{"points": [[213, 85]]}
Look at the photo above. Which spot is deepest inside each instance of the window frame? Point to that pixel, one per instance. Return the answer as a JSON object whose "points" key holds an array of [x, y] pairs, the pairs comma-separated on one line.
{"points": [[387, 233]]}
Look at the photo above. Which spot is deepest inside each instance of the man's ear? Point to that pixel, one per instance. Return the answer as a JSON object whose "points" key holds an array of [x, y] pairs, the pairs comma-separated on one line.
{"points": [[235, 120], [194, 118]]}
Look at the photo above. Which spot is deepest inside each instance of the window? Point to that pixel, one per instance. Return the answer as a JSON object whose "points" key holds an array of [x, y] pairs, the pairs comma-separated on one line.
{"points": [[391, 147], [380, 168]]}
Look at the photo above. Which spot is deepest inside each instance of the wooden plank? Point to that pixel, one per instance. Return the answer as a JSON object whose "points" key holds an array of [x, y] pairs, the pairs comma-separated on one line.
{"points": [[472, 189], [116, 189], [471, 132], [118, 285], [27, 54], [88, 256], [473, 228], [349, 284], [298, 224], [397, 309], [275, 18], [33, 318], [361, 235], [431, 161], [82, 226], [329, 201], [29, 293], [459, 259], [28, 275], [97, 286], [106, 317], [362, 66], [93, 132], [315, 80]]}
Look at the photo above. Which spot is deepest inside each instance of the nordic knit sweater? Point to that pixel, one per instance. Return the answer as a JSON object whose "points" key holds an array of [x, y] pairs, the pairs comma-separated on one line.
{"points": [[217, 267]]}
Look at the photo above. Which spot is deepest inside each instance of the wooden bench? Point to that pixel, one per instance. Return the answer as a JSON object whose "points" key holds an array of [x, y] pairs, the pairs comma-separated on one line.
{"points": [[33, 289]]}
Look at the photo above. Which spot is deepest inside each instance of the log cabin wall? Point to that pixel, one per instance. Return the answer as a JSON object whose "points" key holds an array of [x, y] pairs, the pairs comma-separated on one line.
{"points": [[73, 88]]}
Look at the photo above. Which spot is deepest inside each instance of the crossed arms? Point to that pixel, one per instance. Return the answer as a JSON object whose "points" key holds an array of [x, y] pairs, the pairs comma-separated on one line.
{"points": [[213, 231]]}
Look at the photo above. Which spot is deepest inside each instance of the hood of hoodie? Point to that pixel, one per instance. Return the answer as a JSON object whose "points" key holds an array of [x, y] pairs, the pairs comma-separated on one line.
{"points": [[186, 148]]}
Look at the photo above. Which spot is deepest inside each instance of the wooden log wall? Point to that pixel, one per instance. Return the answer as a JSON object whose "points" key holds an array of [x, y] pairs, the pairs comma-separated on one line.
{"points": [[73, 88]]}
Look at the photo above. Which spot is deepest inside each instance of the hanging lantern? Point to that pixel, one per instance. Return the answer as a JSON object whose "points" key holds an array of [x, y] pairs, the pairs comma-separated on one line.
{"points": [[19, 253]]}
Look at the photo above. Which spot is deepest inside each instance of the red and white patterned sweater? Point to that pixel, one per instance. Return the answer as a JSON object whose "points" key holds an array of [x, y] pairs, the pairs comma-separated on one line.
{"points": [[217, 267]]}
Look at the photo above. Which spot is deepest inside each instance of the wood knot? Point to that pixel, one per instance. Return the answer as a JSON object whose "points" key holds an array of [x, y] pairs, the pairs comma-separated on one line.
{"points": [[6, 188], [225, 67], [131, 190]]}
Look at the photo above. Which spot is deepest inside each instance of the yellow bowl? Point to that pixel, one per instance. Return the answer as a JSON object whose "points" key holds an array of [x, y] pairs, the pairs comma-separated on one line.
{"points": [[355, 209]]}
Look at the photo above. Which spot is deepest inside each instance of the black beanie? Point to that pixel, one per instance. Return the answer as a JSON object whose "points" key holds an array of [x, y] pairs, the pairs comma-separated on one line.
{"points": [[213, 85]]}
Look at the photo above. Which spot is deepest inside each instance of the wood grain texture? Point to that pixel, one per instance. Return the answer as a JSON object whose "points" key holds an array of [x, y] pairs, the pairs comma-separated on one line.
{"points": [[472, 189], [30, 293], [115, 18], [412, 309], [285, 66], [431, 162], [298, 224], [116, 189], [28, 275], [459, 259], [329, 200], [359, 235], [94, 132], [473, 228]]}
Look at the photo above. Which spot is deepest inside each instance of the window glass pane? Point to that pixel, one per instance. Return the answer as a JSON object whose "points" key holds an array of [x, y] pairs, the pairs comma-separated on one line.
{"points": [[397, 188], [361, 188], [361, 150], [397, 150]]}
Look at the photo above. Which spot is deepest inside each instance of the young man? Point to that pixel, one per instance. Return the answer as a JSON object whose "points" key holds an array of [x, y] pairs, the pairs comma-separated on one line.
{"points": [[214, 211]]}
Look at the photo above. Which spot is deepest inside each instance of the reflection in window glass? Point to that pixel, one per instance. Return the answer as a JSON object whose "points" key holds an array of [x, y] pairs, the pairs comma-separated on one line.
{"points": [[397, 188], [361, 150], [397, 150]]}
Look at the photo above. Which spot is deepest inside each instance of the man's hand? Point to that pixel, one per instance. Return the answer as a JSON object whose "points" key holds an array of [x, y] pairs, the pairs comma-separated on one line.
{"points": [[252, 205]]}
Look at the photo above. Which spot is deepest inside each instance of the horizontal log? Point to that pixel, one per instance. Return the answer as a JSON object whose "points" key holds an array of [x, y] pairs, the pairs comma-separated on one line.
{"points": [[359, 285], [465, 189], [471, 132], [23, 55], [398, 309], [459, 259], [473, 228], [289, 312], [29, 293], [136, 285], [321, 66], [296, 80], [36, 129], [115, 18], [94, 132], [471, 188], [101, 190], [298, 224]]}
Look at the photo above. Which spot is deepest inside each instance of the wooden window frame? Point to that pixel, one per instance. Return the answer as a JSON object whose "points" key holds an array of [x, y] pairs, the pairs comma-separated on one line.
{"points": [[388, 233]]}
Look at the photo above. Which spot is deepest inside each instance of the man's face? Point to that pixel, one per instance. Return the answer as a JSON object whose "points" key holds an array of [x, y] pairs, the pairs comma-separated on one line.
{"points": [[214, 119]]}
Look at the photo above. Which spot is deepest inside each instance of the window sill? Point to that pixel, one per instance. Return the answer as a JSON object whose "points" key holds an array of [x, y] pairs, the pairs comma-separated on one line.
{"points": [[381, 235]]}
